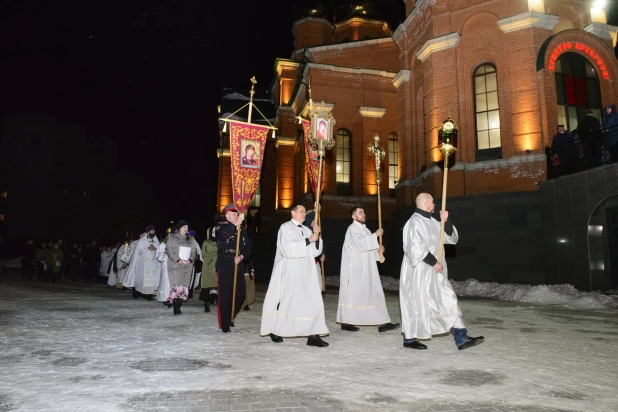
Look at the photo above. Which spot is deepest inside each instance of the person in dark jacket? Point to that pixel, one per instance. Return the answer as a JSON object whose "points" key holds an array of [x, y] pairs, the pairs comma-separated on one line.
{"points": [[609, 127], [27, 265], [589, 132], [562, 145]]}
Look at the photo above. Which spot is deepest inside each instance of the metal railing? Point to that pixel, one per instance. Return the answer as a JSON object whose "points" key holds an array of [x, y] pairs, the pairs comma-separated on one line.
{"points": [[572, 156]]}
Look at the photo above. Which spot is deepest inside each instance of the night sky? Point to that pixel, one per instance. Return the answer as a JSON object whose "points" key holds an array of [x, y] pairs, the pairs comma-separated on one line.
{"points": [[147, 73]]}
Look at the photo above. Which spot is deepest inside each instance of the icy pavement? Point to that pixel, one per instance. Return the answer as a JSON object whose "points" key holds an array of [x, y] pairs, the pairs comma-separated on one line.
{"points": [[78, 347]]}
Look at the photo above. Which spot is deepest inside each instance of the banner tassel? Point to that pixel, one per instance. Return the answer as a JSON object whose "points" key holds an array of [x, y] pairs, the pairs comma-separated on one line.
{"points": [[273, 133], [224, 127]]}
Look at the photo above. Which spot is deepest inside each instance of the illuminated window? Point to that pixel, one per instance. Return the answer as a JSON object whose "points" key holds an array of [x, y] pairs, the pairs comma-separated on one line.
{"points": [[4, 195], [393, 160], [257, 199], [344, 162], [577, 89], [488, 143]]}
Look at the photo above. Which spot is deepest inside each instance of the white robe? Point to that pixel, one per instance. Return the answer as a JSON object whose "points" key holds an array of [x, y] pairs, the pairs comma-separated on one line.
{"points": [[129, 275], [428, 303], [111, 275], [106, 257], [120, 274], [293, 304], [361, 298], [196, 276], [143, 271], [164, 283]]}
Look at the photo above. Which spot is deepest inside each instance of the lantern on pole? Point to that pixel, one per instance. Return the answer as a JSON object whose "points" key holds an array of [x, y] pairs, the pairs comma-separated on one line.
{"points": [[378, 152], [448, 135]]}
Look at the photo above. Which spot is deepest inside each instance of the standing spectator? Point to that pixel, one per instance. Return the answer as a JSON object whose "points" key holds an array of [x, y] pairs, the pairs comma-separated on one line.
{"points": [[562, 145], [208, 294], [27, 265], [40, 257], [180, 264], [54, 262], [588, 131], [3, 254], [610, 134]]}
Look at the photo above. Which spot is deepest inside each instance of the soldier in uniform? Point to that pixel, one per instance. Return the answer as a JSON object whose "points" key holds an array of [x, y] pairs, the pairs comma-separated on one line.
{"points": [[226, 261]]}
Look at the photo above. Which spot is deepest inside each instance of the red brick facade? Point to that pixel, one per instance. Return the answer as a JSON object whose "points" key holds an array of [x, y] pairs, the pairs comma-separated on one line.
{"points": [[410, 80]]}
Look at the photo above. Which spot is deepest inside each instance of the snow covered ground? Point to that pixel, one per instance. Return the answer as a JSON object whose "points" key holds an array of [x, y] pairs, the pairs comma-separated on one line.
{"points": [[564, 295], [78, 347]]}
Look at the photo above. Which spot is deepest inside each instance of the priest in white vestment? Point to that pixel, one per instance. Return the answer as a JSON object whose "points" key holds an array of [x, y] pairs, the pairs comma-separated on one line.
{"points": [[428, 303], [164, 283], [361, 298], [293, 304], [121, 265], [128, 281], [143, 272]]}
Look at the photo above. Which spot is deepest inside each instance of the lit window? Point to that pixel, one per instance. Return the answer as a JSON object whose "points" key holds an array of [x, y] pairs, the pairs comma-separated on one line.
{"points": [[488, 142], [344, 162], [393, 160]]}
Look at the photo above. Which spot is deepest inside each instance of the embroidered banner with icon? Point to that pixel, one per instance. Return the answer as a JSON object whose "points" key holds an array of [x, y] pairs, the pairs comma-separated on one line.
{"points": [[313, 163], [247, 142]]}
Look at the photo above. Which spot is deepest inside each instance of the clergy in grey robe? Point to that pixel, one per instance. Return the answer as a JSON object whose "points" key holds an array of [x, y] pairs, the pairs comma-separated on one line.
{"points": [[361, 298], [293, 304], [144, 268], [428, 303]]}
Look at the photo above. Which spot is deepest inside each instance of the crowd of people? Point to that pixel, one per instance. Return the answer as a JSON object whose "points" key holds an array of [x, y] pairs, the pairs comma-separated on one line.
{"points": [[591, 144], [168, 271], [171, 269]]}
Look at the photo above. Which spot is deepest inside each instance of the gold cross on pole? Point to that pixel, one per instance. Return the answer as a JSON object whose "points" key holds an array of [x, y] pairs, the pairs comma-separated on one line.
{"points": [[378, 152]]}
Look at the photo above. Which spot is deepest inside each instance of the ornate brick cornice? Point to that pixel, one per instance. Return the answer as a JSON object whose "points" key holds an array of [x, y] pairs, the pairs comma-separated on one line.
{"points": [[527, 20], [360, 20], [330, 67], [314, 19], [342, 46], [436, 44], [602, 31], [421, 7], [376, 112], [402, 76]]}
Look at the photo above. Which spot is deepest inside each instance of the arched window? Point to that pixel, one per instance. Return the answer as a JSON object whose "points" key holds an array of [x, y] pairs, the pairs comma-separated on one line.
{"points": [[393, 160], [577, 89], [344, 162], [486, 108]]}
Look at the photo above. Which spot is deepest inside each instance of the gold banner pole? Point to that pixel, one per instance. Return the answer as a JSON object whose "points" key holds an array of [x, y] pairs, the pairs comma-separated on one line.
{"points": [[378, 154], [442, 222], [448, 135], [242, 195]]}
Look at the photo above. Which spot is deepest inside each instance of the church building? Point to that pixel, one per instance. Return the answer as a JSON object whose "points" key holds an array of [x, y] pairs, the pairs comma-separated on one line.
{"points": [[507, 71]]}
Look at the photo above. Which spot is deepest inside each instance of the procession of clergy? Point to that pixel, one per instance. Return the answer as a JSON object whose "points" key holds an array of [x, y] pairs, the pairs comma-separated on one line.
{"points": [[293, 306]]}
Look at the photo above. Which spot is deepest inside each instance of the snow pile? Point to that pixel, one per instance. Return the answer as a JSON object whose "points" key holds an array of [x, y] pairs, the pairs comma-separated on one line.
{"points": [[565, 295]]}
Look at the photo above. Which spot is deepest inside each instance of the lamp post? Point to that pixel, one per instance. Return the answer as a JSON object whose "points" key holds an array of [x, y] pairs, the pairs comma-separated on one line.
{"points": [[378, 152], [447, 141]]}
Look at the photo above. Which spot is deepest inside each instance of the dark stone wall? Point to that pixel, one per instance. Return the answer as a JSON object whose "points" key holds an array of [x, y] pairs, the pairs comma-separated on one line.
{"points": [[568, 203], [500, 238]]}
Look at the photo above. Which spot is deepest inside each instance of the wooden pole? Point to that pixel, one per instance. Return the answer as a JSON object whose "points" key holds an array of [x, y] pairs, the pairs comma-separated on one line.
{"points": [[318, 216], [242, 195], [379, 217], [444, 182]]}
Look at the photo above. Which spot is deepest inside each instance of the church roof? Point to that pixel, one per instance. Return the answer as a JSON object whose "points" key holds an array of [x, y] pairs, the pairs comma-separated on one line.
{"points": [[336, 11]]}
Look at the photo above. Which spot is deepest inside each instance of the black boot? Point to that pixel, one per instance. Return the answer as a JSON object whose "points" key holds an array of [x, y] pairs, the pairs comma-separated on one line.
{"points": [[214, 299], [176, 309], [179, 306], [206, 306], [135, 294]]}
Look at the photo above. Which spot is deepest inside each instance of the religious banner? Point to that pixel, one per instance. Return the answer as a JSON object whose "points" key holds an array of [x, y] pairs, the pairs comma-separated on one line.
{"points": [[247, 142], [313, 163]]}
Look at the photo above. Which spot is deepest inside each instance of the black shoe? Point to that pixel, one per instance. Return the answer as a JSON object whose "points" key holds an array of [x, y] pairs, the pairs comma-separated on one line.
{"points": [[387, 327], [149, 297], [246, 308], [135, 294], [167, 304], [471, 342], [315, 340], [275, 338], [225, 330], [232, 325], [206, 307], [349, 328], [415, 345]]}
